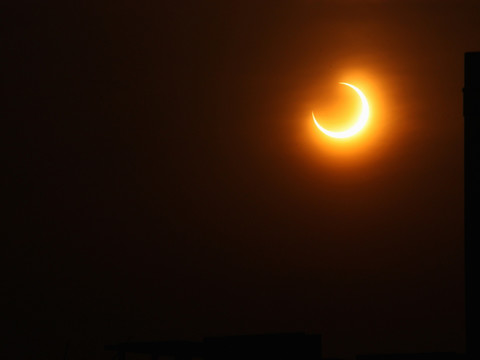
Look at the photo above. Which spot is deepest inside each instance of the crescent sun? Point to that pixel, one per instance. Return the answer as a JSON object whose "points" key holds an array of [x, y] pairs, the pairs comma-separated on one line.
{"points": [[361, 122]]}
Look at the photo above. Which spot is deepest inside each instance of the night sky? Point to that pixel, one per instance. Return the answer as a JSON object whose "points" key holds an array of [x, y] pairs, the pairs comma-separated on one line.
{"points": [[165, 179]]}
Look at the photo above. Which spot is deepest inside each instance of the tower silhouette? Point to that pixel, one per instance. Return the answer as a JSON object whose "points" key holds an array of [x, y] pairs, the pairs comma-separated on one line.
{"points": [[471, 114]]}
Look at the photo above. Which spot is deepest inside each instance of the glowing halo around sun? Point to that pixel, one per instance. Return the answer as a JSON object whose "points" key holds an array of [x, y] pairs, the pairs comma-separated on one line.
{"points": [[361, 122]]}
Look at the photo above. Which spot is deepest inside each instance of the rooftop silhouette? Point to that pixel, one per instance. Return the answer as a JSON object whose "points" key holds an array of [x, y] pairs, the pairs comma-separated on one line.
{"points": [[413, 356], [265, 346]]}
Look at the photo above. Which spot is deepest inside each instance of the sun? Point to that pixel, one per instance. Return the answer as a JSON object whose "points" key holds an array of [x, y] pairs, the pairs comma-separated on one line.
{"points": [[359, 124]]}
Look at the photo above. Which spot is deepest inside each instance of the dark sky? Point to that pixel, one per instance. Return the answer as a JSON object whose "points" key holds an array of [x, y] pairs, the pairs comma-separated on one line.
{"points": [[166, 180]]}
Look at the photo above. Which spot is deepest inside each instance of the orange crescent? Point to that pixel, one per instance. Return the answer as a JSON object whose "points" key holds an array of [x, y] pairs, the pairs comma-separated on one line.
{"points": [[359, 124]]}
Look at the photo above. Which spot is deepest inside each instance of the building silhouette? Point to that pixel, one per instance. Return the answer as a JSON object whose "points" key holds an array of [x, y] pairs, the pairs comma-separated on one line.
{"points": [[266, 346], [471, 114], [414, 356]]}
